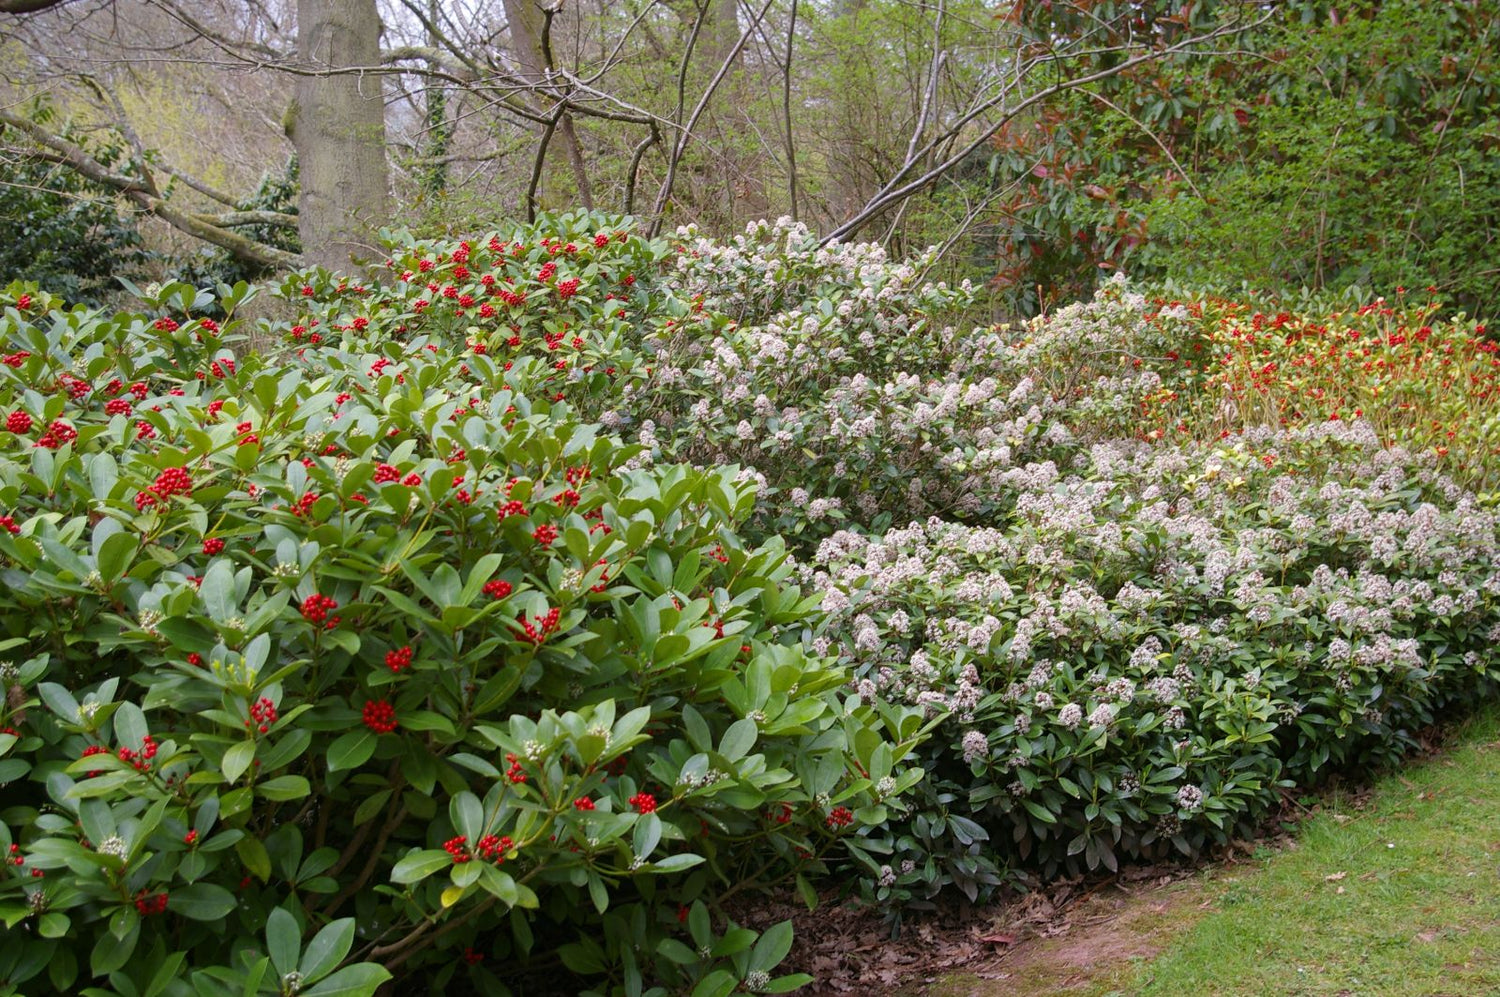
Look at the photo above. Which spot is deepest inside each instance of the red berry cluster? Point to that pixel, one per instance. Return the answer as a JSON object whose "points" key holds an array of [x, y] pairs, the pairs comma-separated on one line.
{"points": [[18, 422], [458, 849], [781, 815], [315, 608], [304, 505], [74, 386], [583, 803], [213, 546], [567, 288], [399, 658], [117, 406], [839, 817], [718, 554], [603, 582], [262, 714], [516, 774], [17, 859], [91, 750], [545, 273], [149, 905], [472, 957], [15, 359], [386, 472], [567, 498], [173, 481], [140, 760], [195, 659], [545, 534], [497, 588], [643, 803], [191, 838], [511, 508], [164, 325], [537, 629], [494, 848], [9, 524], [57, 434], [380, 716]]}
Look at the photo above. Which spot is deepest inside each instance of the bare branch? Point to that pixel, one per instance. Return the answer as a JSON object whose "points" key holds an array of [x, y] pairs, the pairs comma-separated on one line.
{"points": [[892, 194], [230, 219], [146, 196], [687, 129]]}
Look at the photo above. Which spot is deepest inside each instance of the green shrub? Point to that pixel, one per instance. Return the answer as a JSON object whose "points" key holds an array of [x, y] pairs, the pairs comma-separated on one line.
{"points": [[1157, 644], [70, 234], [376, 659]]}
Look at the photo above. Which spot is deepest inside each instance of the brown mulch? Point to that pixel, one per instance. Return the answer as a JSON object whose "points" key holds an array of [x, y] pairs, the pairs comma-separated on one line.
{"points": [[849, 948]]}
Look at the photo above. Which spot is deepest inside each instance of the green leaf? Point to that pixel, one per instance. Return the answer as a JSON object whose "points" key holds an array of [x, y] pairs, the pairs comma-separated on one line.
{"points": [[169, 971], [328, 948], [419, 865], [115, 554], [284, 787], [217, 590], [237, 760], [677, 863], [110, 953], [130, 726], [359, 980], [59, 700], [254, 857], [719, 983], [786, 984], [772, 947], [202, 902], [647, 835], [351, 750], [738, 739], [467, 815], [53, 925], [283, 940], [677, 952]]}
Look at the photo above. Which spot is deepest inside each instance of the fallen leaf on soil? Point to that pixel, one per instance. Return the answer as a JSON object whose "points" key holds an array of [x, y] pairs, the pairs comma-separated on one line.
{"points": [[1000, 938], [1334, 878]]}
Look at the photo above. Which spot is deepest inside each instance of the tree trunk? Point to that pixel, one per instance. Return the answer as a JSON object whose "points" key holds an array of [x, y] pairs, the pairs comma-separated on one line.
{"points": [[338, 128]]}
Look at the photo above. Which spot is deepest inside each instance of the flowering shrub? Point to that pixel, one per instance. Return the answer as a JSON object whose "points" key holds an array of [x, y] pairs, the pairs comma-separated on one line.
{"points": [[1157, 641], [830, 373], [460, 633], [378, 659], [1131, 366]]}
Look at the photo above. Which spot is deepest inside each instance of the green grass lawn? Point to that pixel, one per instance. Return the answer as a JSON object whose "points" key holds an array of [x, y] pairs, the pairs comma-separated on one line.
{"points": [[1394, 893]]}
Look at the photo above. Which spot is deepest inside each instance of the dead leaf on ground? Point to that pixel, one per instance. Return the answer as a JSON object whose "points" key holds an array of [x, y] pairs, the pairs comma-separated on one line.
{"points": [[1335, 877]]}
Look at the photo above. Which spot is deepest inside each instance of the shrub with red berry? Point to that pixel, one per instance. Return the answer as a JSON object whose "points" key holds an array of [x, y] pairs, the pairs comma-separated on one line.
{"points": [[302, 686]]}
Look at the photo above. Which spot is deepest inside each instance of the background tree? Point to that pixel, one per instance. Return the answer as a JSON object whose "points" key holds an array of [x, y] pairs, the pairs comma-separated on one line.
{"points": [[868, 119]]}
